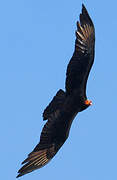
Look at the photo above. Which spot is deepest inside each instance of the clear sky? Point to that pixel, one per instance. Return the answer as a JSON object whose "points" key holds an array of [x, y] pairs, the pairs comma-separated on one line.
{"points": [[36, 44]]}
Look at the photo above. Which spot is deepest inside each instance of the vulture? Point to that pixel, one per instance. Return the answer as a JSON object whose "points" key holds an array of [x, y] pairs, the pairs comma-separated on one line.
{"points": [[66, 104]]}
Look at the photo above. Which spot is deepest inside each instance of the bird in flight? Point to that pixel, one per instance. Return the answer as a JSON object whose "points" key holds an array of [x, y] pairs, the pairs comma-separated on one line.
{"points": [[66, 104]]}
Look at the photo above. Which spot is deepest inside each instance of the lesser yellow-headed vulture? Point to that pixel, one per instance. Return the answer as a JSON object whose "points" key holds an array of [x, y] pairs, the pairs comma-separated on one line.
{"points": [[66, 104]]}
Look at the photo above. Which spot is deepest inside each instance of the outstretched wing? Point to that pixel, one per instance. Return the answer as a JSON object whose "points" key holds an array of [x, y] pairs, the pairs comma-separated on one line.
{"points": [[81, 62], [53, 135], [43, 152]]}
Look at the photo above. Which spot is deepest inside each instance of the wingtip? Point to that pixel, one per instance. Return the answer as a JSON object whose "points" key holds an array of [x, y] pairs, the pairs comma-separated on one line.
{"points": [[19, 175], [21, 172], [83, 6], [85, 17], [84, 10]]}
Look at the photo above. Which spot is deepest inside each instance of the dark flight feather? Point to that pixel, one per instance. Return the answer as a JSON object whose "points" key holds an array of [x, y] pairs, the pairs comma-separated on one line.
{"points": [[81, 62], [65, 105]]}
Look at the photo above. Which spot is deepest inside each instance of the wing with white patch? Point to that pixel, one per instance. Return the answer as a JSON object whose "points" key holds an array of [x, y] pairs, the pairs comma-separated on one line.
{"points": [[53, 136], [81, 62]]}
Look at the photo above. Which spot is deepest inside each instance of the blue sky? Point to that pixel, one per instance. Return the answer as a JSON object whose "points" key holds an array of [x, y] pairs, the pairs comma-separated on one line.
{"points": [[36, 44]]}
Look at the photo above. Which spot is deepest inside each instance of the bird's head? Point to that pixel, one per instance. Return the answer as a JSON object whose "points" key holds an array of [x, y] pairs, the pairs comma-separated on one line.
{"points": [[85, 104], [88, 102]]}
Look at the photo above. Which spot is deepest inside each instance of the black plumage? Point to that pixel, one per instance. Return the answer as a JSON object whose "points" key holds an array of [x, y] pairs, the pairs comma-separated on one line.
{"points": [[65, 104]]}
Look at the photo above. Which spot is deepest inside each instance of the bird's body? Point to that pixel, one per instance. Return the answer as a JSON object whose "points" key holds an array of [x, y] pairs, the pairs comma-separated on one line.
{"points": [[66, 104]]}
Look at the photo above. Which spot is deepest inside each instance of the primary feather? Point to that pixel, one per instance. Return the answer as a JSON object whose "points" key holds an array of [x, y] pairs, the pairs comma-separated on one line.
{"points": [[65, 105]]}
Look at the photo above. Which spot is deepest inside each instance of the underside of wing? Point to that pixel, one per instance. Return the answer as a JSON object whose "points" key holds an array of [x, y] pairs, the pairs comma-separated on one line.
{"points": [[53, 136], [44, 151], [36, 160], [81, 62], [85, 34]]}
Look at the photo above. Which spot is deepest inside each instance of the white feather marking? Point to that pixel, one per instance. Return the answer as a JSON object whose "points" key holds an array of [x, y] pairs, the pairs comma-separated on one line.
{"points": [[81, 47], [86, 31], [82, 37], [83, 31], [40, 161], [81, 42], [44, 161]]}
